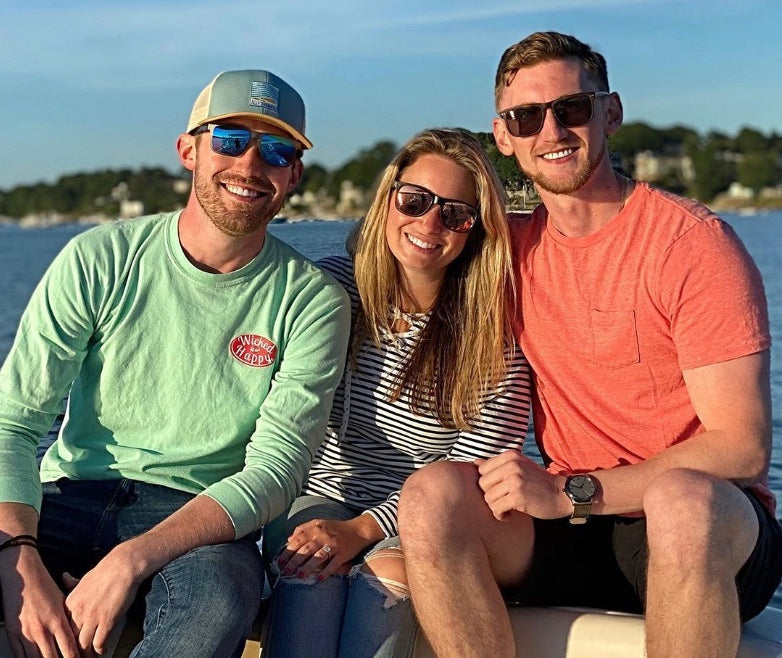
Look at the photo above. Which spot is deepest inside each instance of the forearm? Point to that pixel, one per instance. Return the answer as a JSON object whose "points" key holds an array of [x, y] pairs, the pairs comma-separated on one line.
{"points": [[32, 602], [732, 400], [198, 523], [367, 528], [17, 519], [715, 452]]}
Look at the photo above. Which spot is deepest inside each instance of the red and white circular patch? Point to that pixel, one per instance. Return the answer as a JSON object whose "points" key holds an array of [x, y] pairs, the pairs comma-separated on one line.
{"points": [[253, 350]]}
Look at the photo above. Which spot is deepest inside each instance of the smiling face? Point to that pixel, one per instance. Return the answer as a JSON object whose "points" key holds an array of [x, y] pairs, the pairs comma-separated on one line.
{"points": [[422, 246], [558, 159], [240, 195]]}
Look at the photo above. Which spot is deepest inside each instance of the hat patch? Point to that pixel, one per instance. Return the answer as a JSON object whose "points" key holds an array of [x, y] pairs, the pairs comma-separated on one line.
{"points": [[265, 96], [253, 350]]}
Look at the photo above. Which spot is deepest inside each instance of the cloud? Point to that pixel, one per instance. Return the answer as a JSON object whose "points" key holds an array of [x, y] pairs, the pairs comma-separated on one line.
{"points": [[145, 44], [469, 12]]}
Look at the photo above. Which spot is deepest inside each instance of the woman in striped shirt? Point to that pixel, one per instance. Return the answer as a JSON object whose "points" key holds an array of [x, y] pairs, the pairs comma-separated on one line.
{"points": [[432, 374]]}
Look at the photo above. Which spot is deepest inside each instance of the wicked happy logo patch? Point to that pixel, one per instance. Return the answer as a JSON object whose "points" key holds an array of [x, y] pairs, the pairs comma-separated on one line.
{"points": [[253, 350]]}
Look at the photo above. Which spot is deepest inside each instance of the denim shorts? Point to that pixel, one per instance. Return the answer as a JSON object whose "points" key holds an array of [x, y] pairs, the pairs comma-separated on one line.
{"points": [[602, 564]]}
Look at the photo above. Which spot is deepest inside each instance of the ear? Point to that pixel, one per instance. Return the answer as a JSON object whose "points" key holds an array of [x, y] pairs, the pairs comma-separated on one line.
{"points": [[186, 149], [297, 169], [614, 113], [502, 136]]}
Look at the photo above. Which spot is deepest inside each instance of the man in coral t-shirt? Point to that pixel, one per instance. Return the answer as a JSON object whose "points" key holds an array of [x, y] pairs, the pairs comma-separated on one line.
{"points": [[645, 322]]}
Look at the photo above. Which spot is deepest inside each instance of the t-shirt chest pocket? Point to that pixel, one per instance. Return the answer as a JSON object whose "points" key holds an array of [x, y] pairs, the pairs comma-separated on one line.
{"points": [[614, 338]]}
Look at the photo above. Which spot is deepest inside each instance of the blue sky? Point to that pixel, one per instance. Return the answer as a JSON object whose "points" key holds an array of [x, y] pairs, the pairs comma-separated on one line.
{"points": [[95, 84]]}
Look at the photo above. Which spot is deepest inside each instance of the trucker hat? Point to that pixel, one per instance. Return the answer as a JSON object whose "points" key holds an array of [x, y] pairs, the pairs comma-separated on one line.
{"points": [[251, 95]]}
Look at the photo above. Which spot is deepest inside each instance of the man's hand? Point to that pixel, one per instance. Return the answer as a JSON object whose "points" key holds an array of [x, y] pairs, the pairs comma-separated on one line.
{"points": [[99, 600], [306, 554], [34, 608], [512, 481]]}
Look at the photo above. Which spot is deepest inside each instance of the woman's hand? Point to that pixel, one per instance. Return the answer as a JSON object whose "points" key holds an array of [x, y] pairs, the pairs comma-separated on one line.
{"points": [[322, 547]]}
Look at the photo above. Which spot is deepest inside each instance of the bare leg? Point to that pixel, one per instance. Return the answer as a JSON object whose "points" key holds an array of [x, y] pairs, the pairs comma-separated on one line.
{"points": [[700, 532], [456, 554]]}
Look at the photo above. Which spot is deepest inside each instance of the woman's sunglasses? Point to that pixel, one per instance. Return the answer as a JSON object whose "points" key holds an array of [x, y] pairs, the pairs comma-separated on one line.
{"points": [[414, 201], [234, 141], [571, 111]]}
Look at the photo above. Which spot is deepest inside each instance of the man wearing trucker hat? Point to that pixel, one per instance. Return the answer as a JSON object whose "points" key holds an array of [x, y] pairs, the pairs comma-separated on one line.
{"points": [[199, 355]]}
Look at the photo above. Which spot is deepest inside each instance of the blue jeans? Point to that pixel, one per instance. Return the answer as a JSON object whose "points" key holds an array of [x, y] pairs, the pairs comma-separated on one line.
{"points": [[200, 604], [346, 616]]}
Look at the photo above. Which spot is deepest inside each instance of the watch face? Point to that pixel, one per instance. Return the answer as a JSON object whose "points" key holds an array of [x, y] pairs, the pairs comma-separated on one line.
{"points": [[581, 488]]}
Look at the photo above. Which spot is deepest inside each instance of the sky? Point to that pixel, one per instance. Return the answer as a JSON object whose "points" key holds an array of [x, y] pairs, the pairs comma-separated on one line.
{"points": [[106, 84]]}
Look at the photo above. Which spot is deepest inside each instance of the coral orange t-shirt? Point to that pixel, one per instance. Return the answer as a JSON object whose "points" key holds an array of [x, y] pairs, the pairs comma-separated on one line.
{"points": [[609, 322]]}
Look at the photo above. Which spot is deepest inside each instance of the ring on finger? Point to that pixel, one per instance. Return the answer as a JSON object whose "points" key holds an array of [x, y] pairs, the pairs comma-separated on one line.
{"points": [[326, 549]]}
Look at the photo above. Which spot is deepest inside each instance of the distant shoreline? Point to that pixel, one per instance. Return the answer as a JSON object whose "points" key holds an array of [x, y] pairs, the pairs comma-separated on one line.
{"points": [[44, 221], [50, 220]]}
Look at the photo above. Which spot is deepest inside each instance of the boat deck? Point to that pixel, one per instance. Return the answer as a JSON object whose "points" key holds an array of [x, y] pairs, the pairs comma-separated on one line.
{"points": [[568, 633]]}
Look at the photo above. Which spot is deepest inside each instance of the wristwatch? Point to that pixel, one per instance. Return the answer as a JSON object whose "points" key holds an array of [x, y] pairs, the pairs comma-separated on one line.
{"points": [[581, 490]]}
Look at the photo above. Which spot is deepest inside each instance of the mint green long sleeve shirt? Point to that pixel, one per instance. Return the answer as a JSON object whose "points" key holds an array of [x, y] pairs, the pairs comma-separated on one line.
{"points": [[215, 384]]}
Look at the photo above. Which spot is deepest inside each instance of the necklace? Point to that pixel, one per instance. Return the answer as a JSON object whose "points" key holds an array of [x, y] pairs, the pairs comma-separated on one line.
{"points": [[624, 189], [410, 318]]}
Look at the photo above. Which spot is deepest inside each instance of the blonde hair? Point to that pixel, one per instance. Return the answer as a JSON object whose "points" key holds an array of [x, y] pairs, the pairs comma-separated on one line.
{"points": [[460, 354], [541, 47]]}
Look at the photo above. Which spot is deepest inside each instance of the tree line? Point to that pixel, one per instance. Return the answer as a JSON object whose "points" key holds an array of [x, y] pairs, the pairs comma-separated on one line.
{"points": [[86, 194], [714, 161]]}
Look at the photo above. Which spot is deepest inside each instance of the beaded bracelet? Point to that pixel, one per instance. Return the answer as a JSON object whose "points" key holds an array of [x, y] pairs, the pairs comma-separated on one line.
{"points": [[20, 540]]}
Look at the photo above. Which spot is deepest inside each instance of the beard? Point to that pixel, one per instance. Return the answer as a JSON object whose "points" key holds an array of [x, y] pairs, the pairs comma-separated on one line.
{"points": [[236, 218], [571, 185]]}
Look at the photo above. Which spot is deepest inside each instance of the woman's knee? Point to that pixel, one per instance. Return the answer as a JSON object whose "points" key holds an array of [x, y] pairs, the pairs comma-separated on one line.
{"points": [[384, 570]]}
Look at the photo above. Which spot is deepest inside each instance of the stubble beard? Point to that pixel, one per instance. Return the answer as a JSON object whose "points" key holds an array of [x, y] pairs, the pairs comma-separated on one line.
{"points": [[241, 218], [567, 186]]}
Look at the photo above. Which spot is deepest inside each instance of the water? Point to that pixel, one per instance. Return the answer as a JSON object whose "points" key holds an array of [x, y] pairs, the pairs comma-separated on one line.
{"points": [[25, 254]]}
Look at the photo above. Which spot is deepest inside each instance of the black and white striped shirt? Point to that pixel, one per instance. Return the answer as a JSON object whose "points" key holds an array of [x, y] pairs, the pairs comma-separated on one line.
{"points": [[372, 445]]}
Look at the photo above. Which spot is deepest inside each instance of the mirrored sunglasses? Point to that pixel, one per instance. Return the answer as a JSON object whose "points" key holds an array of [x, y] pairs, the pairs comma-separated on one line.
{"points": [[415, 201], [234, 141], [571, 111]]}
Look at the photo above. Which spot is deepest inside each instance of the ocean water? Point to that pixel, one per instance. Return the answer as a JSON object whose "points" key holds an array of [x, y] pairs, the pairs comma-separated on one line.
{"points": [[25, 254]]}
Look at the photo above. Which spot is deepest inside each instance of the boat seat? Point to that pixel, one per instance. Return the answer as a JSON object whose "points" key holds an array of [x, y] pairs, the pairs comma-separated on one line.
{"points": [[562, 633]]}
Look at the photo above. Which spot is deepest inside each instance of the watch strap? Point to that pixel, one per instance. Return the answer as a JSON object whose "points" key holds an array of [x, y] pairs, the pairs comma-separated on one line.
{"points": [[580, 512]]}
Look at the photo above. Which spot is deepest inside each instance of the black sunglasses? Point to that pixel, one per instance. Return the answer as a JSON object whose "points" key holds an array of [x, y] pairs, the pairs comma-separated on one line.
{"points": [[415, 201], [571, 111], [234, 141]]}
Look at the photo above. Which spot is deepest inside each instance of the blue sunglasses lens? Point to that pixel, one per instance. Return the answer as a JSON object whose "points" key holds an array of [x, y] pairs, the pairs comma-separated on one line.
{"points": [[277, 151], [274, 150], [230, 141]]}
